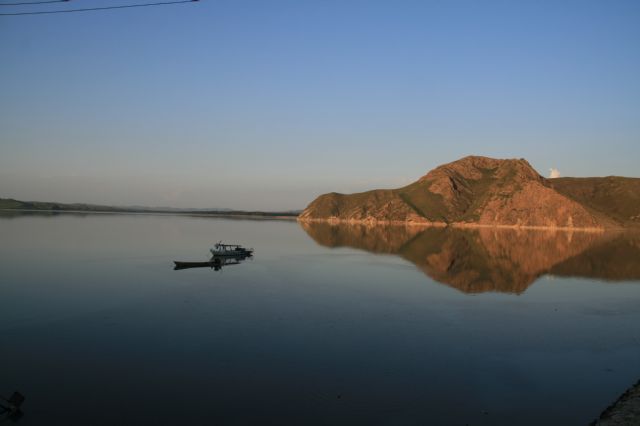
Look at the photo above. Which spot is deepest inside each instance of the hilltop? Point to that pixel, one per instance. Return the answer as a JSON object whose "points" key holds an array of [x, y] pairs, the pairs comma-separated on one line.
{"points": [[482, 191]]}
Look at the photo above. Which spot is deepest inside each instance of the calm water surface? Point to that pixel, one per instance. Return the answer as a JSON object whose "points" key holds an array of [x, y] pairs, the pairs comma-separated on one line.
{"points": [[326, 325]]}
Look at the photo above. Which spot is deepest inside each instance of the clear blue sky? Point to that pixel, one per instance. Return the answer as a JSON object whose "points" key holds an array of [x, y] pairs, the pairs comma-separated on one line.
{"points": [[265, 104]]}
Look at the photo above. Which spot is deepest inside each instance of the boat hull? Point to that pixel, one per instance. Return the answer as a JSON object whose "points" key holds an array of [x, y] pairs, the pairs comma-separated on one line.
{"points": [[216, 262], [192, 264]]}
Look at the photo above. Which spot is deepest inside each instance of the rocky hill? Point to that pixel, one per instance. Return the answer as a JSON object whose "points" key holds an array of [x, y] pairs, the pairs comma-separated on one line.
{"points": [[481, 191]]}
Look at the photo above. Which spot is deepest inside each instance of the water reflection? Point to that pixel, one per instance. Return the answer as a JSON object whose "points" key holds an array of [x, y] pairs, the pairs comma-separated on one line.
{"points": [[489, 259]]}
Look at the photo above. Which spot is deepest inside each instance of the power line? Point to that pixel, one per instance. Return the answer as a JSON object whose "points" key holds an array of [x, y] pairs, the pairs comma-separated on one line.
{"points": [[89, 9], [28, 3]]}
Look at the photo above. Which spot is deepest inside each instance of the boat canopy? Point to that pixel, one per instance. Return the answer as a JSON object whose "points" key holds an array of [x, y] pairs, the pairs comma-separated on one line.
{"points": [[228, 245]]}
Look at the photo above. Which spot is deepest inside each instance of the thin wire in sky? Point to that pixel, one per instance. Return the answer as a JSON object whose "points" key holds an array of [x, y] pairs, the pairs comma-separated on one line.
{"points": [[90, 9], [28, 3]]}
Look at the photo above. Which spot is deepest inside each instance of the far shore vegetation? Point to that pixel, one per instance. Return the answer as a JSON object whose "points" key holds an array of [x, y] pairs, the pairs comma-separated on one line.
{"points": [[41, 206]]}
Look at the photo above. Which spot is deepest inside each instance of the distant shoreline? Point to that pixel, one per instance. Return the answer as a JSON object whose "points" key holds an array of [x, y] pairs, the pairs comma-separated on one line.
{"points": [[230, 214], [10, 204]]}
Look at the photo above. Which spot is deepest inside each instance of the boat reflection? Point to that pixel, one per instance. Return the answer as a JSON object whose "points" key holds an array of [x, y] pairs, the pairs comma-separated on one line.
{"points": [[493, 259], [216, 263]]}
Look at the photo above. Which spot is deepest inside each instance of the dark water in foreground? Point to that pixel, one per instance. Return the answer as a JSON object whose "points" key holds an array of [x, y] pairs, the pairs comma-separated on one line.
{"points": [[334, 325]]}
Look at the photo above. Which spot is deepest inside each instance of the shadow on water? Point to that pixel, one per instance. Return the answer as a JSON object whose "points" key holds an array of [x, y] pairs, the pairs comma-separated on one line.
{"points": [[489, 259]]}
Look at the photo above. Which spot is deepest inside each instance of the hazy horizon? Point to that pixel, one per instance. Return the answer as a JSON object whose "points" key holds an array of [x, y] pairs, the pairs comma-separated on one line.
{"points": [[265, 105], [553, 173]]}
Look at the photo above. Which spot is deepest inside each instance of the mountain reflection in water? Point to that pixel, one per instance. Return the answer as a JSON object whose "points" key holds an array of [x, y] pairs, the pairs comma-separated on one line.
{"points": [[493, 259]]}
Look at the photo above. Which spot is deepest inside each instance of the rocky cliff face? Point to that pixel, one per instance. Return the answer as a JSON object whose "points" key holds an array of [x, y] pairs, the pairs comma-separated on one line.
{"points": [[473, 191]]}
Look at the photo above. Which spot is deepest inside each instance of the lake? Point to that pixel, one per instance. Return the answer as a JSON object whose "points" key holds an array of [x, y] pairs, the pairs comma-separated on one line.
{"points": [[324, 325]]}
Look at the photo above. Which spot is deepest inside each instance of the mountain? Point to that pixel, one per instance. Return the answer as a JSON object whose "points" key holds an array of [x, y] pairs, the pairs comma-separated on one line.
{"points": [[482, 191]]}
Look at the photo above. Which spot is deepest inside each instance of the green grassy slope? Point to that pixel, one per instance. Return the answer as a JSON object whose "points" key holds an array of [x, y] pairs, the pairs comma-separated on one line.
{"points": [[614, 196], [334, 204], [423, 201]]}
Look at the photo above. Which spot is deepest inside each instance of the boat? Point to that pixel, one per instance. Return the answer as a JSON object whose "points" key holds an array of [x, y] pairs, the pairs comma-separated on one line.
{"points": [[221, 250], [222, 255]]}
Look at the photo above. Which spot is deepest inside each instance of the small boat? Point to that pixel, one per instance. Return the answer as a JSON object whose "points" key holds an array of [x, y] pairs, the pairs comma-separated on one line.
{"points": [[233, 250], [216, 263], [222, 255]]}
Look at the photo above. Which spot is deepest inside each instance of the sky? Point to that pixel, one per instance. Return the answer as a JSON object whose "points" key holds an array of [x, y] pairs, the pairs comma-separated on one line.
{"points": [[266, 104]]}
